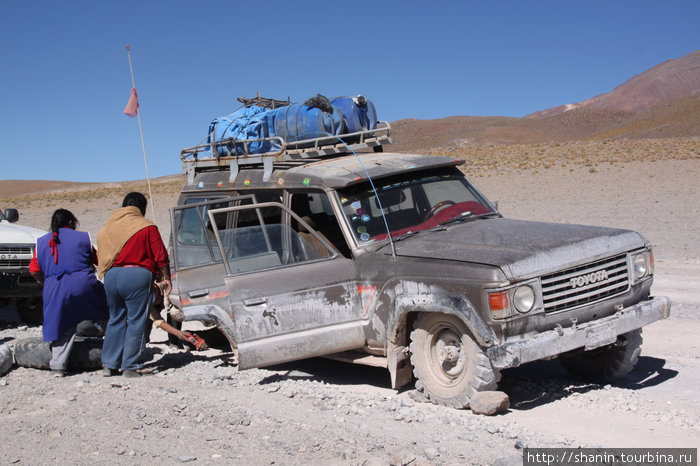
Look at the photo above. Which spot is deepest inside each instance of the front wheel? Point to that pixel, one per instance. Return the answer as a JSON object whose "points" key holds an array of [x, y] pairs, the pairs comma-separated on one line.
{"points": [[608, 363], [449, 366]]}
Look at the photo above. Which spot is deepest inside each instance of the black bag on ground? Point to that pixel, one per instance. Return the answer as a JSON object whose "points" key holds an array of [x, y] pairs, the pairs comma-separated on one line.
{"points": [[35, 353]]}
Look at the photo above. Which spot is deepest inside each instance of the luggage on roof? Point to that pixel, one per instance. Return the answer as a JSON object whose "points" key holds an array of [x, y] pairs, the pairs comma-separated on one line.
{"points": [[266, 126]]}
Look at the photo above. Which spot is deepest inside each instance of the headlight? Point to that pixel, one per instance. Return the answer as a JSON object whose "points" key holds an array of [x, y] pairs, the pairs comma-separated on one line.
{"points": [[640, 266], [523, 299], [514, 300]]}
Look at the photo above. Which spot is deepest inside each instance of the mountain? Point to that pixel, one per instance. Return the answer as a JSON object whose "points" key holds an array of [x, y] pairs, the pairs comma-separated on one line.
{"points": [[662, 102], [670, 80]]}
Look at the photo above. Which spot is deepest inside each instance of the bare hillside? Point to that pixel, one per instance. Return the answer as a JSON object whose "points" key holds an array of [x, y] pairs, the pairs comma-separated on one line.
{"points": [[675, 119], [670, 80]]}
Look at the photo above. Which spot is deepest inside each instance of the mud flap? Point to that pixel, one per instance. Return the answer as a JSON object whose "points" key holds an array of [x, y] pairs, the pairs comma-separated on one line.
{"points": [[399, 363]]}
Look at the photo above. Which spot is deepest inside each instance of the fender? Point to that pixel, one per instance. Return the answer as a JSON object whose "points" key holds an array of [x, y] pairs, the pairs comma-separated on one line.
{"points": [[443, 303], [215, 314]]}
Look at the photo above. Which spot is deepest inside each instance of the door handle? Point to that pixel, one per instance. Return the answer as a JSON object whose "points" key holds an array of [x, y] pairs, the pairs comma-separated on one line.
{"points": [[255, 301], [197, 293]]}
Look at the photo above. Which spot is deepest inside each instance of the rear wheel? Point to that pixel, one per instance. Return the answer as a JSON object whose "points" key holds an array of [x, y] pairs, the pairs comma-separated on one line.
{"points": [[449, 366], [608, 363], [30, 310]]}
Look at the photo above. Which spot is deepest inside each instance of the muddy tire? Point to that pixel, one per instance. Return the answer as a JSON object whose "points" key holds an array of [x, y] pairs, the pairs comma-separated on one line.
{"points": [[608, 363], [5, 359], [449, 366], [30, 310], [35, 353]]}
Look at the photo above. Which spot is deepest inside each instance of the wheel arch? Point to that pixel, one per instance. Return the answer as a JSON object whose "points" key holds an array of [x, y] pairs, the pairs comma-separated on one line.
{"points": [[210, 313], [408, 307]]}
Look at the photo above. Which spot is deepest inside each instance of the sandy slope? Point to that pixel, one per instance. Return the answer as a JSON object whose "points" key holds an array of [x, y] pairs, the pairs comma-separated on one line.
{"points": [[321, 412]]}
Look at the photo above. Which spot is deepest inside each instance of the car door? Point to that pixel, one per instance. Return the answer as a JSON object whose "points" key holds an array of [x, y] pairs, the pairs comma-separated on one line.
{"points": [[287, 300]]}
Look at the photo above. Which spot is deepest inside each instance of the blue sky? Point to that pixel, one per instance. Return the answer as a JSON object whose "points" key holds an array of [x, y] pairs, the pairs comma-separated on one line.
{"points": [[65, 72]]}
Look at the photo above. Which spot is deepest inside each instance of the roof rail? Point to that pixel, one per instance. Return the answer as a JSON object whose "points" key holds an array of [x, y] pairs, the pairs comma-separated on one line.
{"points": [[232, 153]]}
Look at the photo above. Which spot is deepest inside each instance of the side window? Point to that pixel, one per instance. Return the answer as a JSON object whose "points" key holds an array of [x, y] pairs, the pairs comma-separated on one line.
{"points": [[194, 226], [194, 234], [269, 215], [265, 241], [315, 209]]}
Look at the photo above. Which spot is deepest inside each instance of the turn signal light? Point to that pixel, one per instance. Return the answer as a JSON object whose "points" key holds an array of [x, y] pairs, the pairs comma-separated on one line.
{"points": [[498, 301]]}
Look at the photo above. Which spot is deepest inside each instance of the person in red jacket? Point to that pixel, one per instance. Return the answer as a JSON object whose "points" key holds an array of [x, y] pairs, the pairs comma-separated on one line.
{"points": [[131, 255]]}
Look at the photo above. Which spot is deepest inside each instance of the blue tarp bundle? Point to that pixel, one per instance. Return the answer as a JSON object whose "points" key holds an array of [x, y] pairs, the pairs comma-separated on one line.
{"points": [[292, 123], [246, 123]]}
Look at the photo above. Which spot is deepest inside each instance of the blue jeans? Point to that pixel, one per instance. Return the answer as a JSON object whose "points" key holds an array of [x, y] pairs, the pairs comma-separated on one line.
{"points": [[128, 292]]}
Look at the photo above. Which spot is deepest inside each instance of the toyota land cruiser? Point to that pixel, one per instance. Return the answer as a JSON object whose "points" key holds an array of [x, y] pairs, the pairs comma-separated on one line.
{"points": [[398, 260]]}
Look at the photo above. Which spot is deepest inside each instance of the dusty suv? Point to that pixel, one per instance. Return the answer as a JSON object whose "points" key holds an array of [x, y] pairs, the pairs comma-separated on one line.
{"points": [[397, 260], [17, 245]]}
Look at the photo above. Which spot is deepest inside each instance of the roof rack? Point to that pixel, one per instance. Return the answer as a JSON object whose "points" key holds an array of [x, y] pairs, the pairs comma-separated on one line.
{"points": [[263, 102], [232, 153]]}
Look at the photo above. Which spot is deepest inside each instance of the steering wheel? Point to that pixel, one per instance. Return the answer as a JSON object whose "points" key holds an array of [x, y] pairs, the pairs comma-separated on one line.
{"points": [[436, 207]]}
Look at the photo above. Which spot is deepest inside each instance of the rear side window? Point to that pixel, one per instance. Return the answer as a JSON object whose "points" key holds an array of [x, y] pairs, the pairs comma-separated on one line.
{"points": [[194, 233]]}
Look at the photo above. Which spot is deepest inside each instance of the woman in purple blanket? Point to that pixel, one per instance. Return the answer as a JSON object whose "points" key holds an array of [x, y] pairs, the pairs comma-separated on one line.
{"points": [[64, 262]]}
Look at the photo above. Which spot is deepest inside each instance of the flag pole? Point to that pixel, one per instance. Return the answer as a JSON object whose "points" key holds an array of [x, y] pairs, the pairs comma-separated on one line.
{"points": [[145, 160]]}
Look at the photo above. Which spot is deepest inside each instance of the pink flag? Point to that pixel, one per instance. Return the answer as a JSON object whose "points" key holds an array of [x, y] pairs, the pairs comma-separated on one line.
{"points": [[132, 107]]}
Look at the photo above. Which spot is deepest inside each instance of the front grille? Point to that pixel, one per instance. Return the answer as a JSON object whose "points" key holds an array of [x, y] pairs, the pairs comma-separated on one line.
{"points": [[9, 255], [15, 249], [585, 284]]}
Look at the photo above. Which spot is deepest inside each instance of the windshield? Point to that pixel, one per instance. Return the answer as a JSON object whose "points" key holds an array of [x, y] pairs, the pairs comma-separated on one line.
{"points": [[411, 203]]}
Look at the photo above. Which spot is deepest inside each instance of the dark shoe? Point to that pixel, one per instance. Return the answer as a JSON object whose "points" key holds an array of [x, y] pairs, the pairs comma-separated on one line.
{"points": [[107, 372], [131, 374]]}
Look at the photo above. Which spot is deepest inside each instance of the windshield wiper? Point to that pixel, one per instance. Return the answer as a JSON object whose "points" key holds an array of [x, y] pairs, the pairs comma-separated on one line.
{"points": [[413, 233], [467, 216], [459, 218]]}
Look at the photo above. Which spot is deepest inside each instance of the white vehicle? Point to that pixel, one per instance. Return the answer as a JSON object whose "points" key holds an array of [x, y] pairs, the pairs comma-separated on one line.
{"points": [[17, 245]]}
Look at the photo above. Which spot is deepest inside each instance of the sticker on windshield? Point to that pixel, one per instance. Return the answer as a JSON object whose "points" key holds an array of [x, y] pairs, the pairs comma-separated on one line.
{"points": [[365, 218], [364, 236], [362, 229], [356, 205]]}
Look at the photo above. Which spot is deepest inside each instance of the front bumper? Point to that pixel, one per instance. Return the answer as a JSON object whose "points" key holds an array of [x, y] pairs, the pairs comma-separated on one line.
{"points": [[590, 335], [18, 284]]}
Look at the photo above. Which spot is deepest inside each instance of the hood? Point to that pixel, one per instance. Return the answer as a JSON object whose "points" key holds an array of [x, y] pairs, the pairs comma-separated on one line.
{"points": [[11, 233], [520, 248]]}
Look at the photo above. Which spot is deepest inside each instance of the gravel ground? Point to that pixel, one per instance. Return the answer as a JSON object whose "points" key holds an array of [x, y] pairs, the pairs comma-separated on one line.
{"points": [[197, 407]]}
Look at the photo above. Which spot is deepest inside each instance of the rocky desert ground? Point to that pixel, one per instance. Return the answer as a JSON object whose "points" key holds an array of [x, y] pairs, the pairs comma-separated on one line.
{"points": [[198, 408]]}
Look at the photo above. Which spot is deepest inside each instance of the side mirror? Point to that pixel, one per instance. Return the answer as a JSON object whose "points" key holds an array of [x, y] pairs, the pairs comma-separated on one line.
{"points": [[495, 204], [11, 215]]}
